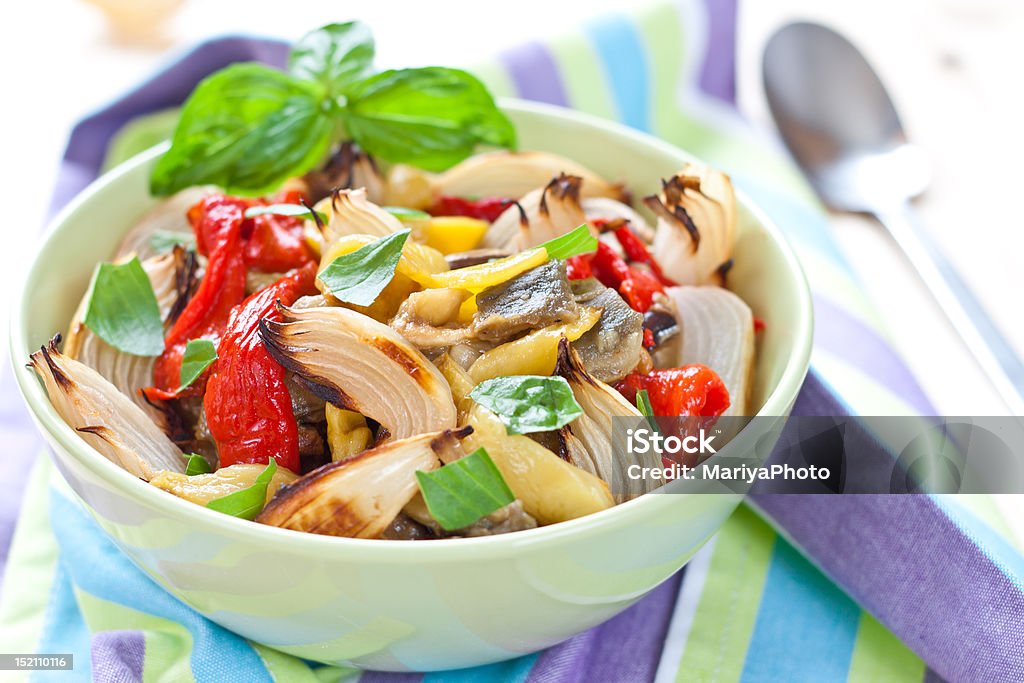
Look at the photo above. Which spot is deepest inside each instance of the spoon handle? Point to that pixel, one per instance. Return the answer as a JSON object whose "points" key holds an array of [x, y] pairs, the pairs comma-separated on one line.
{"points": [[997, 357]]}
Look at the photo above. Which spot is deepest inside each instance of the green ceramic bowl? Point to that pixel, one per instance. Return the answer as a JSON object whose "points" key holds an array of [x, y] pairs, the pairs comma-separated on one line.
{"points": [[406, 605]]}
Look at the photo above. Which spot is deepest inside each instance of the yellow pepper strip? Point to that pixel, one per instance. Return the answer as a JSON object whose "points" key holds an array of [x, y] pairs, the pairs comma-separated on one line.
{"points": [[202, 488], [478, 278], [534, 354], [550, 488], [347, 433], [451, 234], [459, 381], [467, 310]]}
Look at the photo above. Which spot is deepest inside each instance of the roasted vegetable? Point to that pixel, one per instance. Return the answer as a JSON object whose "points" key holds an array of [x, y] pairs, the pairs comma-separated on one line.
{"points": [[347, 433], [696, 231], [537, 298], [358, 497], [359, 364], [202, 488], [613, 346], [541, 215], [105, 418]]}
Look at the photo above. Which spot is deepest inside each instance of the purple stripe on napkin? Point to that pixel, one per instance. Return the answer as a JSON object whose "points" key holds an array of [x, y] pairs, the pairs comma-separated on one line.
{"points": [[718, 72], [535, 74], [118, 656], [627, 648]]}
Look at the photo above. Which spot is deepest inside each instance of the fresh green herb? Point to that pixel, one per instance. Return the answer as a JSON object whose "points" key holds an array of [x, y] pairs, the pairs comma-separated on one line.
{"points": [[163, 241], [197, 464], [248, 127], [464, 490], [360, 276], [286, 210], [122, 309], [578, 241], [245, 128], [336, 55], [528, 403], [404, 214], [643, 404], [431, 117], [248, 502], [199, 355]]}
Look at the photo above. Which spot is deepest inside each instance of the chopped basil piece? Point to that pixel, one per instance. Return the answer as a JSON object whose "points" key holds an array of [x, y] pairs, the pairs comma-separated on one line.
{"points": [[405, 214], [573, 243], [528, 403], [465, 490], [123, 311], [197, 464], [297, 210], [248, 502], [199, 355], [359, 277], [643, 404], [163, 241]]}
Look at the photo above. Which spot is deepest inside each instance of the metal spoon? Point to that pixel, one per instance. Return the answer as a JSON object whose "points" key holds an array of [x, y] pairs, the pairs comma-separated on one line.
{"points": [[838, 121]]}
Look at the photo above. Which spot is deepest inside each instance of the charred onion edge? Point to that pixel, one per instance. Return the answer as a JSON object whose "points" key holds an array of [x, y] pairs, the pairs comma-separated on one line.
{"points": [[564, 186], [443, 440], [523, 220], [723, 271], [674, 189], [569, 364], [316, 214], [185, 282], [273, 338], [58, 375]]}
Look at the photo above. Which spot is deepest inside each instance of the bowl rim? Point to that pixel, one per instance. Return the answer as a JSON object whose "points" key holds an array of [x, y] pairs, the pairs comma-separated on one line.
{"points": [[455, 549]]}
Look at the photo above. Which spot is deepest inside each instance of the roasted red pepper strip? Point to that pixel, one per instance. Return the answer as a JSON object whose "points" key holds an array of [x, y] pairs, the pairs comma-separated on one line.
{"points": [[687, 391], [637, 252], [637, 286], [248, 407], [609, 267], [206, 313], [578, 267], [272, 243], [487, 208]]}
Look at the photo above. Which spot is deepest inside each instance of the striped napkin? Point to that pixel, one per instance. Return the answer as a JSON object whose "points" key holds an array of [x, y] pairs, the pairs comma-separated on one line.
{"points": [[785, 591]]}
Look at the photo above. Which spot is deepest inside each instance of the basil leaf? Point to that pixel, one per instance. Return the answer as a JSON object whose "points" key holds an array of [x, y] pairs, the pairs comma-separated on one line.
{"points": [[285, 210], [199, 355], [122, 309], [248, 502], [643, 404], [528, 403], [359, 277], [430, 117], [405, 214], [577, 241], [197, 465], [335, 55], [465, 490], [163, 241], [246, 128]]}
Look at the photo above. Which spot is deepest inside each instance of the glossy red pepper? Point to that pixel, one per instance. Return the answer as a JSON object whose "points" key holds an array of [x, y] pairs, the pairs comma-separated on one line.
{"points": [[207, 312], [487, 208], [248, 407], [687, 391], [271, 243], [578, 267], [636, 285], [608, 267], [637, 252]]}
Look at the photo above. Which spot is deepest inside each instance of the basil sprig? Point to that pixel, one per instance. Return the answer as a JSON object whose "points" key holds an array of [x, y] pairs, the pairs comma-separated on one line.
{"points": [[464, 490], [248, 502], [528, 403], [199, 355], [249, 127], [123, 311], [577, 241], [360, 276]]}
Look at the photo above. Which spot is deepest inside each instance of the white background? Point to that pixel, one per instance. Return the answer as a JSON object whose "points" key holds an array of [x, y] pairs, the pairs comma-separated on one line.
{"points": [[952, 67]]}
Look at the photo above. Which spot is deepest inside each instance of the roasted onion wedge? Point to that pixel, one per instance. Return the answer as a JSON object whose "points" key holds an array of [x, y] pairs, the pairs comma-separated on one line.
{"points": [[105, 418], [608, 209], [173, 278], [351, 213], [359, 497], [543, 214], [494, 174], [594, 429], [359, 364], [696, 231], [717, 331]]}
